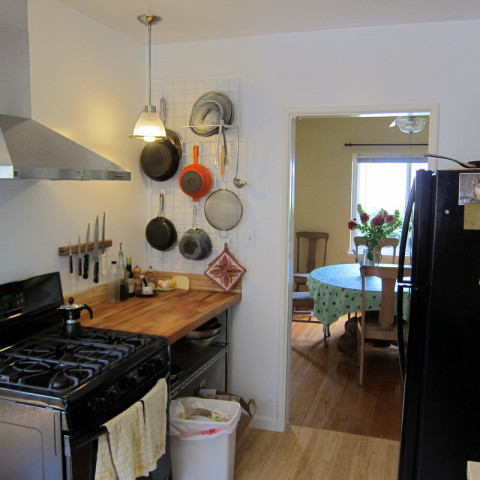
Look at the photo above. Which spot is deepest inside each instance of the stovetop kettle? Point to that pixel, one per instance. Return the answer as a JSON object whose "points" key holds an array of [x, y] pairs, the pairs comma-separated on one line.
{"points": [[71, 317]]}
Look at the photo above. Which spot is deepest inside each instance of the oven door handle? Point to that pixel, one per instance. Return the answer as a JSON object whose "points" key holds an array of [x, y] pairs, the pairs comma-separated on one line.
{"points": [[82, 440]]}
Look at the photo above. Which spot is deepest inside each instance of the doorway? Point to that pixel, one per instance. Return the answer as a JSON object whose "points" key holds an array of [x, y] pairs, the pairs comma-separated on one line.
{"points": [[339, 247]]}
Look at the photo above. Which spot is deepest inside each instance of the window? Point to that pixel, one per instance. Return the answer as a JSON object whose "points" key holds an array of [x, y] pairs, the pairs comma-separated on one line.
{"points": [[383, 181]]}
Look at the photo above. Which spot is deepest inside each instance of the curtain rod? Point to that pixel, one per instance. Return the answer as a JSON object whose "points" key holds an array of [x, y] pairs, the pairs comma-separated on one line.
{"points": [[386, 144]]}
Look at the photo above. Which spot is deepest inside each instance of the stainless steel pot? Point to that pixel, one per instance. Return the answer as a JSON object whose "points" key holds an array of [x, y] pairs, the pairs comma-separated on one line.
{"points": [[195, 243]]}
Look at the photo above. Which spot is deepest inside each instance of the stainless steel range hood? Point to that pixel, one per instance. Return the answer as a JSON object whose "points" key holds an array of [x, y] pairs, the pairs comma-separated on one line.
{"points": [[29, 150]]}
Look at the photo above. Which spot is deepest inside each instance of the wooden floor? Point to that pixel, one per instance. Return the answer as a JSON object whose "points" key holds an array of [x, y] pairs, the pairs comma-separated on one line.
{"points": [[337, 430], [325, 392], [302, 453]]}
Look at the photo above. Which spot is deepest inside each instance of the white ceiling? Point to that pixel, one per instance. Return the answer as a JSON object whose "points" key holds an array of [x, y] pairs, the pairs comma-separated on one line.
{"points": [[196, 20]]}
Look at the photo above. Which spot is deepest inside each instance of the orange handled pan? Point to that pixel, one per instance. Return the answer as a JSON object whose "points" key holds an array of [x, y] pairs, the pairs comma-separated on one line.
{"points": [[195, 180]]}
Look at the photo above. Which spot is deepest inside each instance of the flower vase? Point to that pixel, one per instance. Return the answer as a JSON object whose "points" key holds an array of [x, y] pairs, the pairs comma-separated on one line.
{"points": [[366, 260]]}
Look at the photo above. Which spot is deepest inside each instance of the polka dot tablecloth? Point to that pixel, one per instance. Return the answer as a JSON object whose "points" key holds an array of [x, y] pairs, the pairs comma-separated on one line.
{"points": [[337, 290]]}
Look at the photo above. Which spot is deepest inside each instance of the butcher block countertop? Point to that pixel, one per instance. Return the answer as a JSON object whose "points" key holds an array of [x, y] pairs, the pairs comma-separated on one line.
{"points": [[171, 314]]}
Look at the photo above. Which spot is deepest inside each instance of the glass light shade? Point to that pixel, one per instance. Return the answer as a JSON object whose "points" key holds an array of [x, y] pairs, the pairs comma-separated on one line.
{"points": [[149, 125], [410, 124]]}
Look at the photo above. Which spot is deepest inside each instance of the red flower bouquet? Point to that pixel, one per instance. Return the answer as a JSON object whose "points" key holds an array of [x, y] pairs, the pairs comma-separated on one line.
{"points": [[375, 227]]}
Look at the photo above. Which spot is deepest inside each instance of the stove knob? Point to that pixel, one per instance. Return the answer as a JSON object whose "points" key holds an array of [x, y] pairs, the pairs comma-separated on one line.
{"points": [[128, 383], [146, 370], [111, 396], [99, 404]]}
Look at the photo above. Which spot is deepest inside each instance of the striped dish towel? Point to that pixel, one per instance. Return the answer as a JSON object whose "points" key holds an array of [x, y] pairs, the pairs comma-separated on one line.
{"points": [[119, 454], [155, 417]]}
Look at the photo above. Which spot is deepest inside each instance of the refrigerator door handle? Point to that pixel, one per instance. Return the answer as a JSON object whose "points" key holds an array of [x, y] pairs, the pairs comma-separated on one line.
{"points": [[401, 283]]}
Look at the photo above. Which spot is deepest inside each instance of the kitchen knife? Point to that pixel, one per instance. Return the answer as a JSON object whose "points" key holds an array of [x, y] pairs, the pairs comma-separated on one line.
{"points": [[96, 265], [70, 257], [86, 255], [103, 256], [79, 257]]}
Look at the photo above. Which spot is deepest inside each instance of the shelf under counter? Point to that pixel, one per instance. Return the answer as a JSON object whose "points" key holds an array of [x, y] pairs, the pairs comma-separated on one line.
{"points": [[194, 363]]}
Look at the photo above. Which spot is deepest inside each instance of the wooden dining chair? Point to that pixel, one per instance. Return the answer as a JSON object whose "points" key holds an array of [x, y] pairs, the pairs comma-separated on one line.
{"points": [[302, 303], [375, 327], [387, 242], [308, 255]]}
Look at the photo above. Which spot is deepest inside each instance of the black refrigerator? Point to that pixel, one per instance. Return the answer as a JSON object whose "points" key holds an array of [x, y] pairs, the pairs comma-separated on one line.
{"points": [[441, 359]]}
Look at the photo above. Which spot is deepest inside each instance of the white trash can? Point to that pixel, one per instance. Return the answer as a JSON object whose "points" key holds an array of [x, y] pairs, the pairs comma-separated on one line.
{"points": [[202, 433]]}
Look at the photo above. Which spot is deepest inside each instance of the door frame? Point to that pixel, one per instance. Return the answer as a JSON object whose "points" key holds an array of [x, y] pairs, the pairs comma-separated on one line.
{"points": [[291, 115]]}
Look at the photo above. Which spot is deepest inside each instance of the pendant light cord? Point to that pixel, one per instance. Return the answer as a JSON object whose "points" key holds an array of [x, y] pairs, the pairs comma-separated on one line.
{"points": [[149, 63]]}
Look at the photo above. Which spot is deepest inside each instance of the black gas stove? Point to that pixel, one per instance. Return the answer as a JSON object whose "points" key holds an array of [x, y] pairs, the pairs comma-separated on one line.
{"points": [[66, 385], [51, 363]]}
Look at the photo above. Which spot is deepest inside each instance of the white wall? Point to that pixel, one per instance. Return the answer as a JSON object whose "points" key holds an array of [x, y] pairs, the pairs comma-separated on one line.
{"points": [[420, 64], [85, 76], [87, 83]]}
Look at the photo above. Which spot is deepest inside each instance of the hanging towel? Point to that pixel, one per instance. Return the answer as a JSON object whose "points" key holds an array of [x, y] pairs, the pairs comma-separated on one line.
{"points": [[104, 469], [120, 453], [155, 416]]}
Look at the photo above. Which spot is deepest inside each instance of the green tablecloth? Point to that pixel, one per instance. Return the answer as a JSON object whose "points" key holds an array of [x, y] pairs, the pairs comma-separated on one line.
{"points": [[337, 290]]}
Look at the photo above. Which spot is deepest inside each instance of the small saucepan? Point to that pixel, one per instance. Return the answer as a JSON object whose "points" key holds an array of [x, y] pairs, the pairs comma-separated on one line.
{"points": [[160, 159], [160, 232], [195, 179], [195, 243]]}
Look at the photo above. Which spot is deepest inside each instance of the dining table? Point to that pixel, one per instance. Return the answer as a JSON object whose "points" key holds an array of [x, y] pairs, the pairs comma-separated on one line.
{"points": [[337, 290]]}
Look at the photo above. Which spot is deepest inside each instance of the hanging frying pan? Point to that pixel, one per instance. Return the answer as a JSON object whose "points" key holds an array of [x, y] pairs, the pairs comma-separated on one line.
{"points": [[223, 209], [209, 111], [195, 179], [160, 232], [160, 159], [195, 243]]}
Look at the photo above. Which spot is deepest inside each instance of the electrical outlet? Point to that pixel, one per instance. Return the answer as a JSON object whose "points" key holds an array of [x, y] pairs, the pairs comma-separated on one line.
{"points": [[250, 239]]}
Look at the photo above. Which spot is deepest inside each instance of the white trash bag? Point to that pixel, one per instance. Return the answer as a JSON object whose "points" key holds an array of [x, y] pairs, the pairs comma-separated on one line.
{"points": [[193, 418]]}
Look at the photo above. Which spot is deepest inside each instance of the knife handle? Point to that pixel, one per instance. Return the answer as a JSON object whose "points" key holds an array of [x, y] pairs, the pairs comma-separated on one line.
{"points": [[96, 269], [70, 262], [85, 266], [79, 266]]}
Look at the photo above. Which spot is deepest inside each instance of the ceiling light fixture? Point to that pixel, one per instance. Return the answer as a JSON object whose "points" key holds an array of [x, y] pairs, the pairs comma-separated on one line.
{"points": [[149, 126], [409, 124]]}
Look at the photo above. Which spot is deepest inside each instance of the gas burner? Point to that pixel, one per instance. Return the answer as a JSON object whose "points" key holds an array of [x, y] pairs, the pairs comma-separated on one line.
{"points": [[46, 375], [130, 341], [12, 371]]}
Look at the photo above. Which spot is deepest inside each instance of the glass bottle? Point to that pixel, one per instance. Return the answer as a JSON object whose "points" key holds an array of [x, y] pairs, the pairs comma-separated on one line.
{"points": [[150, 276], [131, 277], [113, 283]]}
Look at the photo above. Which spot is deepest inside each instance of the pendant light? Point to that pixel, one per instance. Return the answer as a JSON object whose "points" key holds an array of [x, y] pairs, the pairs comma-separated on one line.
{"points": [[149, 126], [409, 124]]}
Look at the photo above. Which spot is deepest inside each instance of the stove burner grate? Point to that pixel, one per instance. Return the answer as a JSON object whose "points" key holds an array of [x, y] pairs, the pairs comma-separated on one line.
{"points": [[53, 363]]}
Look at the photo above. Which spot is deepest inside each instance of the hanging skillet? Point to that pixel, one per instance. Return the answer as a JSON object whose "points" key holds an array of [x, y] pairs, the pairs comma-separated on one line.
{"points": [[160, 159], [223, 209], [160, 232], [209, 111], [195, 180]]}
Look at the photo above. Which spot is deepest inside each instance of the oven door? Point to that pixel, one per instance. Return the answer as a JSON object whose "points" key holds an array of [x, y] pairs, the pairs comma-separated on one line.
{"points": [[80, 448], [31, 445], [81, 455]]}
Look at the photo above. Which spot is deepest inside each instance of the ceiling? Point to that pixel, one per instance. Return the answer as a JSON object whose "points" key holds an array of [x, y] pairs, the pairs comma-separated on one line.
{"points": [[197, 20]]}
